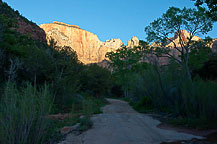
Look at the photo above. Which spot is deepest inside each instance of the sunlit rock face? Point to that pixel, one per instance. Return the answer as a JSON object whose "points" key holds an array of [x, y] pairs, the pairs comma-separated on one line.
{"points": [[214, 45], [184, 35], [87, 45], [134, 42], [91, 50], [173, 42], [114, 44]]}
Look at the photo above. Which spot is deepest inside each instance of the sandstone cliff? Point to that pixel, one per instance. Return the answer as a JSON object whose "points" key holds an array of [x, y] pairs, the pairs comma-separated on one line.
{"points": [[175, 41], [133, 42], [214, 45], [114, 44], [87, 45], [91, 50]]}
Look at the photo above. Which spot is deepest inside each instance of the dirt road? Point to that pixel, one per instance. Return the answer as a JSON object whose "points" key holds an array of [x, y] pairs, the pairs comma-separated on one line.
{"points": [[120, 124]]}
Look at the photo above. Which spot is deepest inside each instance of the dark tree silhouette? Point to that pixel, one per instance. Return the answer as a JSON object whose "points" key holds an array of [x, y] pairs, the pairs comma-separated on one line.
{"points": [[212, 6]]}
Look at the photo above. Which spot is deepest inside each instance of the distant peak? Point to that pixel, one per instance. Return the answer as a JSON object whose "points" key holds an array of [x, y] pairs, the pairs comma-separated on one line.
{"points": [[114, 43], [184, 36], [64, 24], [134, 38], [182, 33], [133, 42]]}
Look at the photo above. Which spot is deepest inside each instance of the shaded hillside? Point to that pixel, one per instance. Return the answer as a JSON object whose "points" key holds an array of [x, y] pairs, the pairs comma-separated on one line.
{"points": [[12, 20]]}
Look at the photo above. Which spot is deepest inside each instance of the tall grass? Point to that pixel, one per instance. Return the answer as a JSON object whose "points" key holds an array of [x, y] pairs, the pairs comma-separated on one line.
{"points": [[199, 99], [168, 90], [23, 114]]}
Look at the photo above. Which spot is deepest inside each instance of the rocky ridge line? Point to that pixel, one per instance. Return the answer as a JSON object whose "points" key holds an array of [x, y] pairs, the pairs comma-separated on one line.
{"points": [[87, 45]]}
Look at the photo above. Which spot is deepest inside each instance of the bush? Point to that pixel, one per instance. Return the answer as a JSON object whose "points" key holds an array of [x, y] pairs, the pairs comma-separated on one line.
{"points": [[23, 114], [209, 69], [199, 99], [85, 123], [169, 91], [96, 80], [116, 91]]}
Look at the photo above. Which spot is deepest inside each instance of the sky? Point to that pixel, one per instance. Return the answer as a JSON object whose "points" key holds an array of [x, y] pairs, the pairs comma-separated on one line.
{"points": [[107, 19]]}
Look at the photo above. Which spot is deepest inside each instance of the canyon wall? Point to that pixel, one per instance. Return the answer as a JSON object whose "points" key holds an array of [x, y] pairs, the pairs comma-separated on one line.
{"points": [[175, 41], [87, 45], [91, 50]]}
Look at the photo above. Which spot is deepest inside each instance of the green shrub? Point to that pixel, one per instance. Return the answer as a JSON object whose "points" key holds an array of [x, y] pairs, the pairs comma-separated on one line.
{"points": [[170, 91], [199, 99], [89, 105], [96, 80], [209, 69], [23, 114], [85, 123], [143, 105]]}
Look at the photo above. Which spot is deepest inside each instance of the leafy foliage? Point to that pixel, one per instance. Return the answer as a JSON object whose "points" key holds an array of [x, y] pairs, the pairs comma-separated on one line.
{"points": [[212, 7], [209, 69], [24, 60], [23, 114], [173, 93], [96, 80], [124, 61], [174, 21], [199, 54]]}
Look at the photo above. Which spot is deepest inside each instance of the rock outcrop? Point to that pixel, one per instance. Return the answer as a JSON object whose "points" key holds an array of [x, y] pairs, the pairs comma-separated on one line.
{"points": [[184, 35], [91, 50], [87, 45], [214, 45], [133, 42], [175, 41], [114, 44]]}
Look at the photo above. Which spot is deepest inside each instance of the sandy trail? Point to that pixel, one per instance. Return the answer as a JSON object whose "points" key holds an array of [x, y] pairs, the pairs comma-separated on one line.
{"points": [[120, 124]]}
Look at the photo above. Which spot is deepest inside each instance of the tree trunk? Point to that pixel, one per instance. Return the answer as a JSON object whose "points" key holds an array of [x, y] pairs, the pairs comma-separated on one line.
{"points": [[126, 92], [187, 70]]}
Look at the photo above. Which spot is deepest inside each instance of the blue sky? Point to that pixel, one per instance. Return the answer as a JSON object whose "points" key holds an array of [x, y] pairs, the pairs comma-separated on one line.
{"points": [[105, 18]]}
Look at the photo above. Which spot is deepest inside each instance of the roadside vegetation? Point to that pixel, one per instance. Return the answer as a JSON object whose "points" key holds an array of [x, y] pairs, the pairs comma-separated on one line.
{"points": [[185, 87], [43, 87]]}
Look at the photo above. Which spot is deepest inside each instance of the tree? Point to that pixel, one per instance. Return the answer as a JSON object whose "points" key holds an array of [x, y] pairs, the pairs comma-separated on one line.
{"points": [[209, 69], [212, 6], [199, 54], [96, 79], [176, 20], [125, 60]]}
